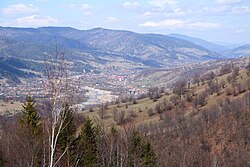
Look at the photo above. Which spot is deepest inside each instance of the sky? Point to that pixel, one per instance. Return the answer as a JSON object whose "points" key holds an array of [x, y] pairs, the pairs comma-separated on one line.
{"points": [[213, 20]]}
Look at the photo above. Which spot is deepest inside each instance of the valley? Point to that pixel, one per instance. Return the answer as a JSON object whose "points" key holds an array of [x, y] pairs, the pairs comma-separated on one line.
{"points": [[181, 96]]}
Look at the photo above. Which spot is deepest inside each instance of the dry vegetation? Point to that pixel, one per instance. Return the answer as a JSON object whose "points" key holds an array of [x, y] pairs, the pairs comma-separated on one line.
{"points": [[10, 107], [200, 122], [204, 122]]}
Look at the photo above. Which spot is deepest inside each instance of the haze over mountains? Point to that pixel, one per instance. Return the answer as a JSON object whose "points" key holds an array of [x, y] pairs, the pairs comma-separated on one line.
{"points": [[201, 42], [92, 50]]}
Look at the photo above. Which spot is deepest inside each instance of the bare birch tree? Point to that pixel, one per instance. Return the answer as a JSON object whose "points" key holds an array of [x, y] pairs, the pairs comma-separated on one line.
{"points": [[59, 90]]}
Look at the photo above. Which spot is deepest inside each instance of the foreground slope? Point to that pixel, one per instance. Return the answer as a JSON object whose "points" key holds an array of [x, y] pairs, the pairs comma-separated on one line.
{"points": [[208, 125]]}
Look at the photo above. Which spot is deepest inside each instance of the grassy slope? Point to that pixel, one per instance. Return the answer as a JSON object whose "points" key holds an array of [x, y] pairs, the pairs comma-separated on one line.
{"points": [[144, 104]]}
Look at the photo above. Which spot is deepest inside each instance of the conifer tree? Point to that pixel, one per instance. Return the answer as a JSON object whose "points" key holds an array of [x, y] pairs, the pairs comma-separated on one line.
{"points": [[30, 117], [87, 145], [149, 157], [140, 152], [67, 136], [31, 131]]}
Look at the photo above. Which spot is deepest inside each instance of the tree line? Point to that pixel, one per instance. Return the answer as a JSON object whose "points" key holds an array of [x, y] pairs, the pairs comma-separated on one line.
{"points": [[81, 142]]}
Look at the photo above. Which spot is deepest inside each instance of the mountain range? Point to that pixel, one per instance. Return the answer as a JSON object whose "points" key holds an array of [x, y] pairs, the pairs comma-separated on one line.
{"points": [[208, 45], [95, 49]]}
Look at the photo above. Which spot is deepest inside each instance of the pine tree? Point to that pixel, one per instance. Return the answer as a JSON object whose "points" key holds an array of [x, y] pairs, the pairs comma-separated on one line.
{"points": [[87, 145], [67, 136], [149, 157], [30, 116], [31, 131], [140, 152]]}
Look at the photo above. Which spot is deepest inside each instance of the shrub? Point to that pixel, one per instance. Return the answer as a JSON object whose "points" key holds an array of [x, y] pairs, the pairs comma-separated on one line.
{"points": [[150, 112], [175, 99], [119, 117], [189, 97], [225, 69], [229, 91]]}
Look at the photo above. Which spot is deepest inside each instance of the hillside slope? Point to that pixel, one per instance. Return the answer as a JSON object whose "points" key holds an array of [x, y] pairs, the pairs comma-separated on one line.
{"points": [[201, 42], [208, 125], [123, 43]]}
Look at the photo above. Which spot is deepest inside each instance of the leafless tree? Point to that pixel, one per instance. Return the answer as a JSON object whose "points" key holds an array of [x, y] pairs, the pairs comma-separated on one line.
{"points": [[60, 90], [222, 83], [230, 78], [225, 69], [236, 70], [179, 87], [119, 116], [154, 93], [200, 99], [248, 68], [102, 111]]}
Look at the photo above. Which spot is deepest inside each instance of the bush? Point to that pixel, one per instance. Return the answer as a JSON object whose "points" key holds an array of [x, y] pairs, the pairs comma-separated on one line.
{"points": [[175, 99], [235, 72], [189, 97], [132, 113], [150, 112], [229, 91], [225, 69], [248, 68], [140, 110], [154, 93], [119, 116], [229, 78], [179, 87], [200, 99]]}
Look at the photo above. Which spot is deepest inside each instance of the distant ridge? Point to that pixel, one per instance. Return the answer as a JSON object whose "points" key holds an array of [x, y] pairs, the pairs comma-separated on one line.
{"points": [[94, 49], [208, 45]]}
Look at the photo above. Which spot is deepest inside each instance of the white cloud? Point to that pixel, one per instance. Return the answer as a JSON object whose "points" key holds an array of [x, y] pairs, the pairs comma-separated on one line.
{"points": [[87, 13], [165, 8], [240, 30], [164, 23], [241, 9], [227, 9], [19, 9], [112, 19], [86, 6], [204, 25], [149, 14], [131, 5], [221, 9], [161, 3], [86, 9], [176, 23], [179, 11], [227, 2], [172, 12], [36, 20]]}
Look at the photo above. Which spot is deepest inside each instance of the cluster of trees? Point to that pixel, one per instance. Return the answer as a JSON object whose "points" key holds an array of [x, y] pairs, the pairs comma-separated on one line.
{"points": [[25, 142], [155, 93], [53, 135], [218, 135]]}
